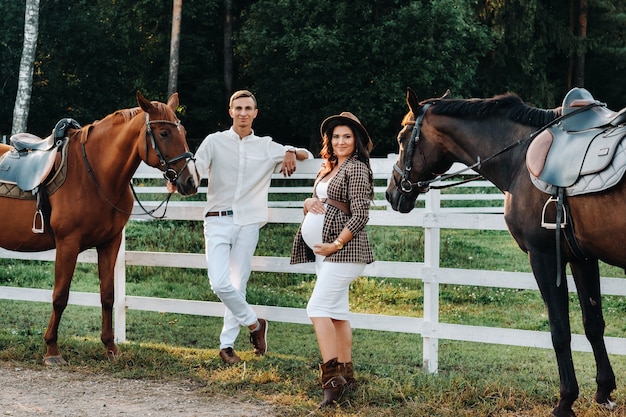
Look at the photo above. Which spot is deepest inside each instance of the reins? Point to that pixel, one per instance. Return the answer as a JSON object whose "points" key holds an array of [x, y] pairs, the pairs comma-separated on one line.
{"points": [[415, 136], [146, 212], [168, 173]]}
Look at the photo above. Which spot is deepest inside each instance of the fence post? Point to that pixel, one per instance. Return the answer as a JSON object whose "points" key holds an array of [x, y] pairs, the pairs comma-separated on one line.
{"points": [[119, 307], [432, 238]]}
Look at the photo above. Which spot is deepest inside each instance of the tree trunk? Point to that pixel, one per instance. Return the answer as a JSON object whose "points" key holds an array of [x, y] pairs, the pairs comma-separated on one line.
{"points": [[25, 78], [578, 26], [579, 64], [228, 47], [172, 84]]}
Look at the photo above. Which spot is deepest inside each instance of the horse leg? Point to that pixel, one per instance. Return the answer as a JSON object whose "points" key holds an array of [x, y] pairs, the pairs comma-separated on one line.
{"points": [[107, 255], [556, 300], [587, 277], [64, 266]]}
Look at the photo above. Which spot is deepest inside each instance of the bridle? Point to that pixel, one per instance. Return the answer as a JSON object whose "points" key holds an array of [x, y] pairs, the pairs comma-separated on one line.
{"points": [[168, 173], [405, 185]]}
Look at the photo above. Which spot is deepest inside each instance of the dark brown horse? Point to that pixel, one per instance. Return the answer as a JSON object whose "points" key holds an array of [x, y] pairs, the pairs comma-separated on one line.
{"points": [[439, 132], [94, 203]]}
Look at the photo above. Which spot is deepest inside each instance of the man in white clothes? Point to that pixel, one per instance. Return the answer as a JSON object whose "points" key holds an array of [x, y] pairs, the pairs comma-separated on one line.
{"points": [[239, 167]]}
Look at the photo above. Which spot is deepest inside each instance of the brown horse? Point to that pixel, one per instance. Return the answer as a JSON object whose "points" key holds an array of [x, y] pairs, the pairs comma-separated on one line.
{"points": [[94, 203], [497, 131]]}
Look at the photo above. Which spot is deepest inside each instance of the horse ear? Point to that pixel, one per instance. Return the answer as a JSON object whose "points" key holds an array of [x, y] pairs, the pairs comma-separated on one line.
{"points": [[411, 100], [173, 101], [143, 103]]}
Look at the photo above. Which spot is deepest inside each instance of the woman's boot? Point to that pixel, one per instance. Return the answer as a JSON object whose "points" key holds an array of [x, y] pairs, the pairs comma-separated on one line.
{"points": [[347, 371], [333, 384]]}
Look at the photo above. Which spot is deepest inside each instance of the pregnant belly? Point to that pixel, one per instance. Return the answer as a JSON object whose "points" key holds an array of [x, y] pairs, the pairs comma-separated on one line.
{"points": [[312, 229]]}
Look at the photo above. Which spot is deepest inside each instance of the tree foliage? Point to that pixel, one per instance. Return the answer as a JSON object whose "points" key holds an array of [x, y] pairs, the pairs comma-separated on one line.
{"points": [[305, 59], [321, 57]]}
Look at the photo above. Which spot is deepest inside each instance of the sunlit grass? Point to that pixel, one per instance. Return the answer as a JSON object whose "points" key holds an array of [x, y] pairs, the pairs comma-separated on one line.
{"points": [[473, 380]]}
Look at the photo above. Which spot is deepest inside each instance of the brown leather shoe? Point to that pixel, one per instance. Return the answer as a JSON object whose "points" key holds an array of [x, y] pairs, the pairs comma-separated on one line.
{"points": [[228, 355], [258, 338]]}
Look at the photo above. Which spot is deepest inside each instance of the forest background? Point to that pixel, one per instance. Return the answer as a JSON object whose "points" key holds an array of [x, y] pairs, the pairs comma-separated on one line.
{"points": [[307, 59]]}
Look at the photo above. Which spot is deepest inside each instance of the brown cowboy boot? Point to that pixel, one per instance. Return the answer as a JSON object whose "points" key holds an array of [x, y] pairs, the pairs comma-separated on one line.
{"points": [[333, 384], [347, 371]]}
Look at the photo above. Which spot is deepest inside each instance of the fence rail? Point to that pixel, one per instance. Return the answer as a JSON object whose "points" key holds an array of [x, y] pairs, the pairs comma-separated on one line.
{"points": [[432, 217]]}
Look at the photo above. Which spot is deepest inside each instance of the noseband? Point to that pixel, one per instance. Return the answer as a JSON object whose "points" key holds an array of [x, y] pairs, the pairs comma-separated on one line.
{"points": [[168, 173], [405, 185]]}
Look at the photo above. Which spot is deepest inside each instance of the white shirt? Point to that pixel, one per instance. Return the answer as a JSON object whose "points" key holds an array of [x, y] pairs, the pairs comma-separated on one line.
{"points": [[239, 173]]}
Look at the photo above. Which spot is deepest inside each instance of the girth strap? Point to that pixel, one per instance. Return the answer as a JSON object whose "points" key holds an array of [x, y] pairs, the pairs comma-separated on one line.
{"points": [[568, 231], [558, 194]]}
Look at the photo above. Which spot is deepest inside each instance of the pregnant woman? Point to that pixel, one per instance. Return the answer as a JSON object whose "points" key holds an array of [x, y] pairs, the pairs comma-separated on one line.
{"points": [[333, 236]]}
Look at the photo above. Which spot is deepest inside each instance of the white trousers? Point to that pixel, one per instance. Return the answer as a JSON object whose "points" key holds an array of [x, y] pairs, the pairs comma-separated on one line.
{"points": [[330, 294], [229, 251]]}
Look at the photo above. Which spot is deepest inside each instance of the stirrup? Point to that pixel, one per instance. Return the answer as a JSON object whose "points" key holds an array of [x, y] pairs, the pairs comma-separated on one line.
{"points": [[552, 226], [38, 216]]}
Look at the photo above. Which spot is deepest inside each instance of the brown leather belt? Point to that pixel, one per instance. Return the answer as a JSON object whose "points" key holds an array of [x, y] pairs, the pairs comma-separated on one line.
{"points": [[219, 213], [345, 207]]}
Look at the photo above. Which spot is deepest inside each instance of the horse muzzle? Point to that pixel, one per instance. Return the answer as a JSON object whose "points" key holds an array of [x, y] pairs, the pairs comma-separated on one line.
{"points": [[399, 201], [187, 180]]}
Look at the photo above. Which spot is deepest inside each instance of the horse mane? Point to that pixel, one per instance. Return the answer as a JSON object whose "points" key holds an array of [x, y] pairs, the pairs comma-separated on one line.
{"points": [[122, 116], [509, 106]]}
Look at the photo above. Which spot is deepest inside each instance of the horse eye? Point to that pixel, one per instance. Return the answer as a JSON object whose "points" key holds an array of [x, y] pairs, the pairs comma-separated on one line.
{"points": [[164, 134]]}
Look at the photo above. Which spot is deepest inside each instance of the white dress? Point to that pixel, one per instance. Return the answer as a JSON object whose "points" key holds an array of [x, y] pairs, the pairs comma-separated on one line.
{"points": [[314, 222], [330, 294]]}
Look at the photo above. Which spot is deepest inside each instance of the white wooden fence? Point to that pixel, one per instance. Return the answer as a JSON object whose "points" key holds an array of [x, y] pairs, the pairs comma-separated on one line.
{"points": [[432, 218]]}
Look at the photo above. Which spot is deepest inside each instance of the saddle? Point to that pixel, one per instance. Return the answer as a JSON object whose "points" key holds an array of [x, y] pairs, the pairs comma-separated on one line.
{"points": [[581, 144], [31, 159], [581, 153], [29, 162]]}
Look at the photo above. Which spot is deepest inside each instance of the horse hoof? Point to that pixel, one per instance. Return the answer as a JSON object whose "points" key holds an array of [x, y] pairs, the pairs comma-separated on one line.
{"points": [[54, 360], [113, 354], [608, 404]]}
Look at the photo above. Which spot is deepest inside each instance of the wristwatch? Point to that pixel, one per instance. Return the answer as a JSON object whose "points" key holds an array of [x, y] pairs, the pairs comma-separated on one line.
{"points": [[290, 148]]}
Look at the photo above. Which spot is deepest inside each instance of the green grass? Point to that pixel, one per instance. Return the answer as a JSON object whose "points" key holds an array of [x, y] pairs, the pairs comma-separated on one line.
{"points": [[473, 379]]}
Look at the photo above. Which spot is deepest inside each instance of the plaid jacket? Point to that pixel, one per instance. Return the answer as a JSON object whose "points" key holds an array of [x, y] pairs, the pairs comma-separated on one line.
{"points": [[351, 185]]}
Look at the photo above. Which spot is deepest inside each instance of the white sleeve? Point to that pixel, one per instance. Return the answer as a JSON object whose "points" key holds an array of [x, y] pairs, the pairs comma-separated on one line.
{"points": [[203, 157]]}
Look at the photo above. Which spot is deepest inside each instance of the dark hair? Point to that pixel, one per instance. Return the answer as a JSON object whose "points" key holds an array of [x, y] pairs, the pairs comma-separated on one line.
{"points": [[361, 149]]}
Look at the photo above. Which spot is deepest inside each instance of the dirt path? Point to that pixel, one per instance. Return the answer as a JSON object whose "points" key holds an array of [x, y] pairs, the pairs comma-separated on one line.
{"points": [[59, 392]]}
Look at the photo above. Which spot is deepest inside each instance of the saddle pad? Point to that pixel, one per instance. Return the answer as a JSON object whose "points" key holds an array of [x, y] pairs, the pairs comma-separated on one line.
{"points": [[593, 182]]}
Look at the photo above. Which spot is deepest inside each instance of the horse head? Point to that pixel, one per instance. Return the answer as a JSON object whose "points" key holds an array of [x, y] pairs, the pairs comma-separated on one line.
{"points": [[420, 158], [166, 144]]}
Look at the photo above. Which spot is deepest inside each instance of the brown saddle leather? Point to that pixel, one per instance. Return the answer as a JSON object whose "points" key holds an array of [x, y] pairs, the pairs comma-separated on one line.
{"points": [[538, 152]]}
